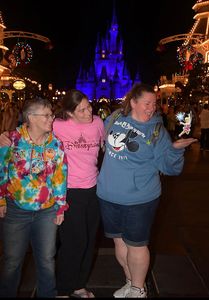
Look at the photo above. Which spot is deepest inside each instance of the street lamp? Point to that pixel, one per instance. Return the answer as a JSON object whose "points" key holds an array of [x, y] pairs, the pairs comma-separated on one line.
{"points": [[19, 84]]}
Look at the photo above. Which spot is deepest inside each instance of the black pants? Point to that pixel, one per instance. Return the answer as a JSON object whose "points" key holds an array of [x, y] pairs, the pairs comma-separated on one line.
{"points": [[204, 138], [77, 236]]}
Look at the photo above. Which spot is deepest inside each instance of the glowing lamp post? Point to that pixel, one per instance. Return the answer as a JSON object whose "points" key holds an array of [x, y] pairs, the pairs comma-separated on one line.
{"points": [[19, 85]]}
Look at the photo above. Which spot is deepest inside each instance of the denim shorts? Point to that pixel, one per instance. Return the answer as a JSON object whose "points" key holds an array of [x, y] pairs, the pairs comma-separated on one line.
{"points": [[132, 223]]}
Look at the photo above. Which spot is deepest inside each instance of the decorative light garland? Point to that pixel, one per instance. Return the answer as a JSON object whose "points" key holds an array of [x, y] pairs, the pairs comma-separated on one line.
{"points": [[196, 58], [188, 57], [23, 53]]}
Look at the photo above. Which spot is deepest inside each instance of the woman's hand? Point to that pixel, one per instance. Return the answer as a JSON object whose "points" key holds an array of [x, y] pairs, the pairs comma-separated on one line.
{"points": [[4, 139], [182, 143], [59, 219], [3, 210]]}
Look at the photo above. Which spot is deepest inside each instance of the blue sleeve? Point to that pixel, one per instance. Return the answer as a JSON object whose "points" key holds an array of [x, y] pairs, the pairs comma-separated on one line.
{"points": [[168, 160]]}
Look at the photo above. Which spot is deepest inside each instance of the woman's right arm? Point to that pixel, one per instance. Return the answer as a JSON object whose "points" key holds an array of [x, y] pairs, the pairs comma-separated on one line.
{"points": [[4, 139]]}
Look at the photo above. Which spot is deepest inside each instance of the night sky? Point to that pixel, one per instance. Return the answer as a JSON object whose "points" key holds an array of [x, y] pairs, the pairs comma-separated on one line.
{"points": [[72, 26]]}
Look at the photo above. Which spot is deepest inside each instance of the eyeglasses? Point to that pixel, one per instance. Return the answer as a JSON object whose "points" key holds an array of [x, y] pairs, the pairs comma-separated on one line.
{"points": [[47, 116]]}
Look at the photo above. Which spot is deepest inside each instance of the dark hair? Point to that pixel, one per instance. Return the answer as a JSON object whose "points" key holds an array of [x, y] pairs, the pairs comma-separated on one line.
{"points": [[135, 92], [70, 101], [31, 105]]}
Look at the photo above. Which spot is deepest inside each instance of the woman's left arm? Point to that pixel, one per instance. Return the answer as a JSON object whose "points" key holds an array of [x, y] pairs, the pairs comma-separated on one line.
{"points": [[183, 143]]}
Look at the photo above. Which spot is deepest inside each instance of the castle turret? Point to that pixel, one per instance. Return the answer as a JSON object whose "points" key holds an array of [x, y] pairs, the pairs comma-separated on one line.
{"points": [[108, 76], [137, 78], [113, 33]]}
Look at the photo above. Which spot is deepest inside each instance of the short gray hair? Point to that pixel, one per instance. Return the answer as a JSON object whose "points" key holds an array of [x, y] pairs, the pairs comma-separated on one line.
{"points": [[30, 106]]}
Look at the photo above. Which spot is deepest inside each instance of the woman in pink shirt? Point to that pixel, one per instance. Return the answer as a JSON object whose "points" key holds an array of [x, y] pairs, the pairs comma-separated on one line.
{"points": [[82, 135]]}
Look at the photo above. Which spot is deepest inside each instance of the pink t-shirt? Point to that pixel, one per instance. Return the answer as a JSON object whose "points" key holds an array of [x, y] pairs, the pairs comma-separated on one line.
{"points": [[81, 145]]}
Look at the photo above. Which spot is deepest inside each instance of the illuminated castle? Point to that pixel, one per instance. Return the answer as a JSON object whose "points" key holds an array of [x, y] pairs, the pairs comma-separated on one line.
{"points": [[108, 76]]}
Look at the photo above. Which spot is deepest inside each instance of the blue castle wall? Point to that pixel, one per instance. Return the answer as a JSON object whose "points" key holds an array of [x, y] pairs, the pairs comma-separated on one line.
{"points": [[108, 77]]}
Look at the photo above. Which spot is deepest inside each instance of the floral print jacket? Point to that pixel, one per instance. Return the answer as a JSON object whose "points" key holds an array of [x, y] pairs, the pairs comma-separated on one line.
{"points": [[33, 176]]}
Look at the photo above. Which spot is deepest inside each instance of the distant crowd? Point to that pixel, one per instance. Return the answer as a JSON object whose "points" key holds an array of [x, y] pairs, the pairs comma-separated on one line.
{"points": [[11, 115]]}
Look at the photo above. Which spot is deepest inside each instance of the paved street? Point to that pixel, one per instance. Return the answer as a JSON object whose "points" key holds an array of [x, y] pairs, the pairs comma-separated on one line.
{"points": [[180, 243]]}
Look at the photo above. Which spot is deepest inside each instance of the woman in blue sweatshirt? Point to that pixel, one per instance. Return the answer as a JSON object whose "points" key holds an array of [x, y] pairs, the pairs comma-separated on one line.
{"points": [[138, 149]]}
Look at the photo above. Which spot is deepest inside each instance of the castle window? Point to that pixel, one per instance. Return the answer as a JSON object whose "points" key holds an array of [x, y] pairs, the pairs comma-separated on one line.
{"points": [[103, 80]]}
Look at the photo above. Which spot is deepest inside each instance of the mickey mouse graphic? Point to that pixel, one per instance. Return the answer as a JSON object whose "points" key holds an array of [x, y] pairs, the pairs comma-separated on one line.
{"points": [[120, 141]]}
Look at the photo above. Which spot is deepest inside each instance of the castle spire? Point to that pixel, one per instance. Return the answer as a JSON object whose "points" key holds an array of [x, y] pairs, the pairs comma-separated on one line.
{"points": [[97, 49], [114, 17], [91, 74], [113, 31]]}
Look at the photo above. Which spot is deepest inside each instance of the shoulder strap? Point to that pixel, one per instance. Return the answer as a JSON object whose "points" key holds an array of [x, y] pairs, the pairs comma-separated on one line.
{"points": [[156, 132], [114, 116]]}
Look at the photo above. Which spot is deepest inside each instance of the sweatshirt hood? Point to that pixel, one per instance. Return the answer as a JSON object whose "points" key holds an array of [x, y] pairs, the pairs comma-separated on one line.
{"points": [[22, 130]]}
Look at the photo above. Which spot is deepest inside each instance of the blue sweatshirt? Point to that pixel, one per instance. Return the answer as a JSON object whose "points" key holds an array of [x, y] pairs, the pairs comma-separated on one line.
{"points": [[133, 160]]}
